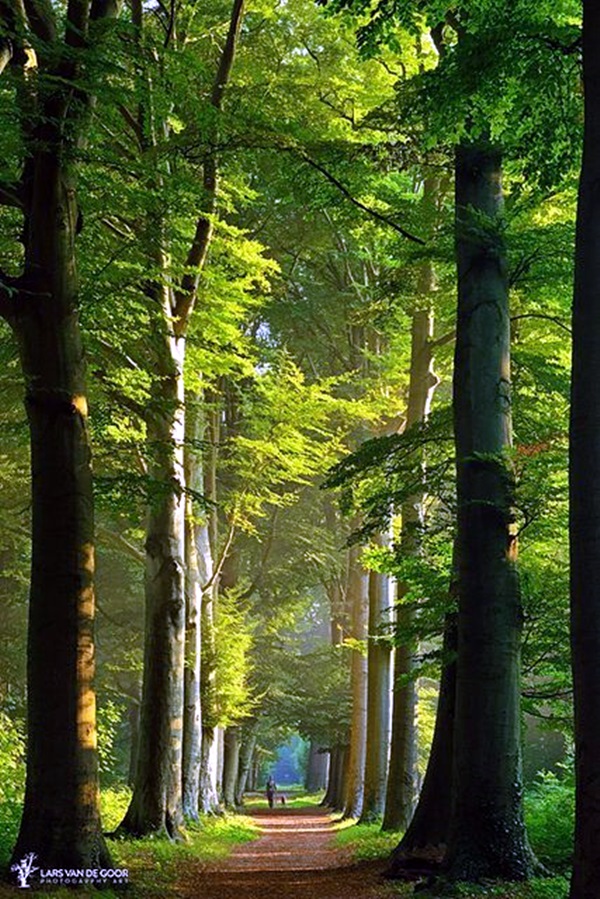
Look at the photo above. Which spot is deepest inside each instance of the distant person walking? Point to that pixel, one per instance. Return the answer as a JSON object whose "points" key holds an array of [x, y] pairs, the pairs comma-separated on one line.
{"points": [[271, 788]]}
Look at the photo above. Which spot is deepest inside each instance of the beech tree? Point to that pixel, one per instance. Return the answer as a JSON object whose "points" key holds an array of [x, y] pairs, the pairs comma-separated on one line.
{"points": [[50, 59]]}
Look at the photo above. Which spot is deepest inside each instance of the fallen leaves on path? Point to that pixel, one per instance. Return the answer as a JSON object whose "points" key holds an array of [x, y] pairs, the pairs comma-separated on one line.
{"points": [[294, 858]]}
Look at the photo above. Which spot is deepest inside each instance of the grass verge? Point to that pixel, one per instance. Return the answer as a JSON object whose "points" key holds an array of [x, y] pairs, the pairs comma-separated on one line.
{"points": [[155, 864]]}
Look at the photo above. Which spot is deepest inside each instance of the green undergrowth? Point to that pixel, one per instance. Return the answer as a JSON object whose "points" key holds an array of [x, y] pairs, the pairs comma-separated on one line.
{"points": [[550, 817], [155, 864], [365, 842], [539, 888]]}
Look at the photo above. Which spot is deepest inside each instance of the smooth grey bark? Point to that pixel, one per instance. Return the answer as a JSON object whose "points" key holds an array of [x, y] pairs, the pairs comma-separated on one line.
{"points": [[208, 778], [207, 545], [378, 695], [61, 819], [192, 721], [358, 597], [487, 831], [585, 481], [156, 803], [316, 768]]}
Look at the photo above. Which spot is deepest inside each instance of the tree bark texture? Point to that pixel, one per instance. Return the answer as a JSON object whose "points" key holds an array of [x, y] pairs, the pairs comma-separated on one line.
{"points": [[378, 696], [402, 784], [358, 588], [61, 820], [156, 804], [585, 481], [316, 768], [487, 834]]}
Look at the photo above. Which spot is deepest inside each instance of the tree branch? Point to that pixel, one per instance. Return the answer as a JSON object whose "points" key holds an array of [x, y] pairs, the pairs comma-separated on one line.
{"points": [[228, 54], [185, 297], [550, 318], [443, 340], [122, 543], [358, 203], [222, 559]]}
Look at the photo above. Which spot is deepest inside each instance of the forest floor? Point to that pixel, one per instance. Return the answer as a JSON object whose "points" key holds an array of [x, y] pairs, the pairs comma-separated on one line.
{"points": [[295, 857]]}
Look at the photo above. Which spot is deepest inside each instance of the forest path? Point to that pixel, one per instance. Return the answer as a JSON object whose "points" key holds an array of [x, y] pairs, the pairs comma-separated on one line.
{"points": [[294, 858]]}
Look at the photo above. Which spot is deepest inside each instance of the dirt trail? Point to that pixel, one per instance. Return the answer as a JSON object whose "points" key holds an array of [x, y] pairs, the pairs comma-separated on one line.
{"points": [[294, 858]]}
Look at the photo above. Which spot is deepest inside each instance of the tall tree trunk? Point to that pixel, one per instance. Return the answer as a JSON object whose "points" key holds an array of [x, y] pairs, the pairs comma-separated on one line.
{"points": [[134, 736], [341, 778], [157, 801], [61, 821], [247, 746], [231, 765], [209, 778], [358, 588], [426, 838], [335, 795], [402, 777], [192, 721], [156, 804], [487, 834], [378, 696], [199, 572], [585, 482], [316, 768], [207, 541]]}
